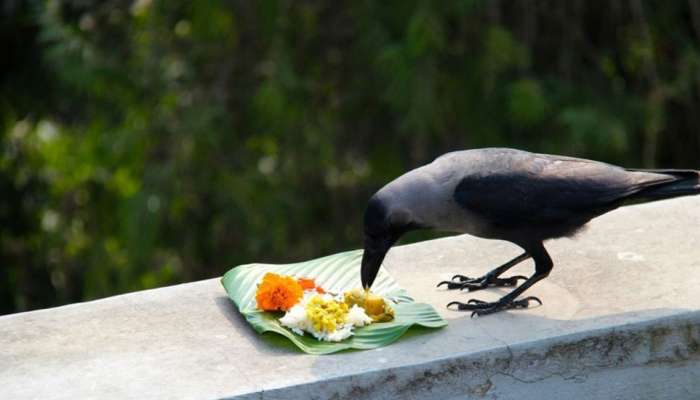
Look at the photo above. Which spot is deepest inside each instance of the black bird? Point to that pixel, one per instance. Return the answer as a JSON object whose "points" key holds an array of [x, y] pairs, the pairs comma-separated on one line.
{"points": [[524, 198]]}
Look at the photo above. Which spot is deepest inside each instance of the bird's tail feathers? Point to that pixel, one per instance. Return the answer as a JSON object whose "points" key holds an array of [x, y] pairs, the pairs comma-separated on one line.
{"points": [[684, 182], [680, 173]]}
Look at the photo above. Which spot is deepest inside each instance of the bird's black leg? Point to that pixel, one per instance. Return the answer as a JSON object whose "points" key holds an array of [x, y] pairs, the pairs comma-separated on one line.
{"points": [[543, 265], [491, 279]]}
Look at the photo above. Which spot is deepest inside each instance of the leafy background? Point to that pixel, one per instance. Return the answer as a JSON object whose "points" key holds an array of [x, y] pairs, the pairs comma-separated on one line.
{"points": [[149, 142]]}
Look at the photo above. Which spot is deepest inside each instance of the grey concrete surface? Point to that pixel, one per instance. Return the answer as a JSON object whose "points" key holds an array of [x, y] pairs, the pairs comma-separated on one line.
{"points": [[620, 320]]}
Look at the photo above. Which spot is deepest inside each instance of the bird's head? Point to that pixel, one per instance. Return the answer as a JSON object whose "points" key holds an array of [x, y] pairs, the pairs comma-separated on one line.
{"points": [[383, 225]]}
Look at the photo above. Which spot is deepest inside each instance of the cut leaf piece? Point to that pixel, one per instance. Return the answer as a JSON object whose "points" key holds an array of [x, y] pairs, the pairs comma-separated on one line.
{"points": [[337, 273]]}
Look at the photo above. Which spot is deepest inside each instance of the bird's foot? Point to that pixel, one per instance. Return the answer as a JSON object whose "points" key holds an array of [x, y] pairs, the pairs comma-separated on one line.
{"points": [[479, 307], [471, 284]]}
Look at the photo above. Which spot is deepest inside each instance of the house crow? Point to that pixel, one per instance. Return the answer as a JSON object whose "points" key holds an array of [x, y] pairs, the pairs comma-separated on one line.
{"points": [[506, 194]]}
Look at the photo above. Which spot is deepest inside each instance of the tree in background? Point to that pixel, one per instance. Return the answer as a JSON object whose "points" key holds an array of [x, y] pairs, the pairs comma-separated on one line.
{"points": [[145, 143]]}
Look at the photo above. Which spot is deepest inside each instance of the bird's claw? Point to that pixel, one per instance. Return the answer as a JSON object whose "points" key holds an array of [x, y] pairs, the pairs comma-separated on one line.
{"points": [[451, 284], [473, 284], [462, 278], [457, 281], [512, 281], [479, 307]]}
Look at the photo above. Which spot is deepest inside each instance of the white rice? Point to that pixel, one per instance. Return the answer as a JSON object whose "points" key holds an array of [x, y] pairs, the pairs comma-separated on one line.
{"points": [[296, 320], [357, 316]]}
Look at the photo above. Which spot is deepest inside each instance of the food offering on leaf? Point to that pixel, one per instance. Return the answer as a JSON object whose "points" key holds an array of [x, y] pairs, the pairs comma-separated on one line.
{"points": [[375, 306], [326, 316]]}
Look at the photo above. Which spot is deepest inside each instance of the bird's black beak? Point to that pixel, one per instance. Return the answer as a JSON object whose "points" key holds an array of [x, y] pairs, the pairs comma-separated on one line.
{"points": [[375, 250]]}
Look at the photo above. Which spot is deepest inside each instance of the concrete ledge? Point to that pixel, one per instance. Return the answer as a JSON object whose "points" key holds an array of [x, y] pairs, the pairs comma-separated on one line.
{"points": [[620, 320], [657, 359]]}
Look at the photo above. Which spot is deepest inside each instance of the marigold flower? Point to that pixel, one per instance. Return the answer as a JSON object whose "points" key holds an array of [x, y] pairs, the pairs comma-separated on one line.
{"points": [[310, 284], [277, 292], [307, 283]]}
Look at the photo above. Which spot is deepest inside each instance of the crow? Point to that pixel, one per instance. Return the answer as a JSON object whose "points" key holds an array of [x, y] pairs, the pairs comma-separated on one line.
{"points": [[506, 194]]}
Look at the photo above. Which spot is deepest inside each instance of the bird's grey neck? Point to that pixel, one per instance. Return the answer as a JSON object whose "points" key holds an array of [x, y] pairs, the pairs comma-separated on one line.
{"points": [[416, 197], [427, 195]]}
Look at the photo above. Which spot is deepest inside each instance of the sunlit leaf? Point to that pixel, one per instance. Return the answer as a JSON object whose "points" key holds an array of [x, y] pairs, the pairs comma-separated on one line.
{"points": [[336, 273]]}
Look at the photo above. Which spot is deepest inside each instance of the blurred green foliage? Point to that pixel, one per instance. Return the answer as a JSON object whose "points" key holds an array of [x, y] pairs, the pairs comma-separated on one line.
{"points": [[145, 143]]}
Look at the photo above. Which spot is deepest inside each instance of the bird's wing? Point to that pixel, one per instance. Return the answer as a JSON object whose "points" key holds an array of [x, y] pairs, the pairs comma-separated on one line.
{"points": [[526, 188]]}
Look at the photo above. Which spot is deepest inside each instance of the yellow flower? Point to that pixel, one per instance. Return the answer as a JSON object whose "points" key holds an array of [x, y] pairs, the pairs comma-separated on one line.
{"points": [[326, 315]]}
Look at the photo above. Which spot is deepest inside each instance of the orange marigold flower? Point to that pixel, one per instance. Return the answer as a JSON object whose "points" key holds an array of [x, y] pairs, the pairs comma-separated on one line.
{"points": [[277, 292], [310, 284], [307, 283]]}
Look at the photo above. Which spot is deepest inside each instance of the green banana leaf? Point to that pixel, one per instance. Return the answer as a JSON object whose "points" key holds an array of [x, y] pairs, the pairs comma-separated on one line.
{"points": [[336, 274]]}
